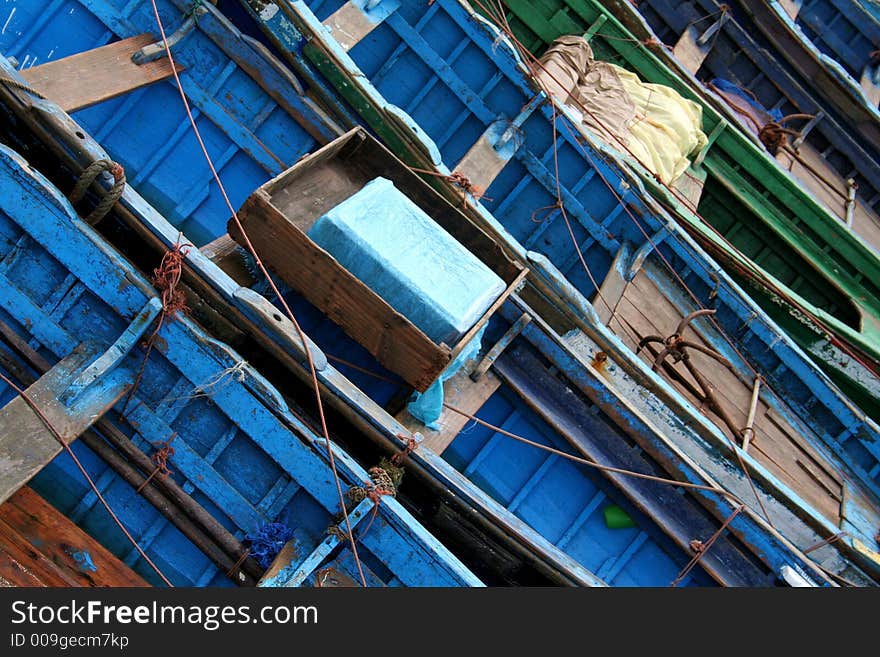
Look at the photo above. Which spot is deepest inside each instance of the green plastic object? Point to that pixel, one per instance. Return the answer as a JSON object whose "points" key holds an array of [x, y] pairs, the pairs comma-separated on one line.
{"points": [[617, 518]]}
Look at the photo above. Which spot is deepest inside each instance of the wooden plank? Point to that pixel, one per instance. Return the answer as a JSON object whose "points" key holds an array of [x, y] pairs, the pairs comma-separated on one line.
{"points": [[97, 75], [791, 7], [807, 452], [26, 444], [688, 51], [51, 537], [690, 185], [483, 162], [614, 286], [866, 223], [777, 446], [21, 564], [226, 253], [464, 394], [349, 25], [395, 342]]}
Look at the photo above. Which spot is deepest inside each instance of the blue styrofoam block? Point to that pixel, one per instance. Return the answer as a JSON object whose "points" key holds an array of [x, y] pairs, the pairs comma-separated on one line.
{"points": [[403, 255]]}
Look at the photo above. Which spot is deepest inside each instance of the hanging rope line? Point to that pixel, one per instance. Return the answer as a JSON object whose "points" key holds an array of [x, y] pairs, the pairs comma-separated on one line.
{"points": [[15, 84], [250, 247], [165, 279], [701, 548], [160, 459], [528, 58], [411, 444], [531, 62], [593, 464], [67, 448]]}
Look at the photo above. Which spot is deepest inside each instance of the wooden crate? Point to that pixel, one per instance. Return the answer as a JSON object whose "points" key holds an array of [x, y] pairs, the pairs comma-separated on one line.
{"points": [[278, 215]]}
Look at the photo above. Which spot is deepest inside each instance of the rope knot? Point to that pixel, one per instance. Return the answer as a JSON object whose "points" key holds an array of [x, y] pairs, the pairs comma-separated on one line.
{"points": [[88, 176], [411, 444], [166, 278], [381, 483], [117, 171], [466, 185], [160, 458], [772, 134]]}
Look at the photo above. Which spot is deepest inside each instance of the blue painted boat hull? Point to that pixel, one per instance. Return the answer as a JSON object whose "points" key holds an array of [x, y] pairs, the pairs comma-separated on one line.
{"points": [[436, 65], [649, 553]]}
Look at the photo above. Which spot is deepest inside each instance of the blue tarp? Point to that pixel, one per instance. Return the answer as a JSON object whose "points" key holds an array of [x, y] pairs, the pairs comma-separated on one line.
{"points": [[730, 88], [403, 255]]}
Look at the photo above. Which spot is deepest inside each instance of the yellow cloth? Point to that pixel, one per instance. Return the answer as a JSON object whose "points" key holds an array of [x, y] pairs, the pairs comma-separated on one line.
{"points": [[666, 128], [650, 121]]}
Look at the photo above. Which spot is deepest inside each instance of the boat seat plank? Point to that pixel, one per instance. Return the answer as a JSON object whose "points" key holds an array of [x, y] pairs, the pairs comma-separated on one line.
{"points": [[613, 287], [791, 7], [93, 76], [26, 444], [688, 51], [44, 542], [464, 394]]}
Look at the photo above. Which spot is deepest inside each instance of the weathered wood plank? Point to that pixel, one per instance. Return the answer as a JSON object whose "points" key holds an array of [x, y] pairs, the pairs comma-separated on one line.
{"points": [[21, 564], [349, 24], [613, 287], [51, 539], [462, 393], [688, 51], [791, 7], [226, 253], [97, 75], [26, 444]]}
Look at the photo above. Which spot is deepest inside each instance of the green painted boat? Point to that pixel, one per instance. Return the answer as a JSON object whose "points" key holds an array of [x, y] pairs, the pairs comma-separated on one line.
{"points": [[817, 279]]}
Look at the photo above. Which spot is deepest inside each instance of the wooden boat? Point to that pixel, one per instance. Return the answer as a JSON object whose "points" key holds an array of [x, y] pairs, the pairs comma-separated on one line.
{"points": [[828, 154], [72, 305], [74, 312], [525, 184], [757, 221], [832, 44], [551, 510]]}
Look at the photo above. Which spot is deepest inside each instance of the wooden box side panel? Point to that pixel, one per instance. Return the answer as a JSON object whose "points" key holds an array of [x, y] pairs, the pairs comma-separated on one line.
{"points": [[356, 158], [364, 316]]}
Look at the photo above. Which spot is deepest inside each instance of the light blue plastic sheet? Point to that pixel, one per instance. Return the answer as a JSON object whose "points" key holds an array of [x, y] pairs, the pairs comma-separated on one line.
{"points": [[427, 406], [403, 255]]}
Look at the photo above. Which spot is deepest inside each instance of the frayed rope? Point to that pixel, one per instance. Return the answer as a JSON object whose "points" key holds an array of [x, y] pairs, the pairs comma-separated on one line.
{"points": [[267, 541]]}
